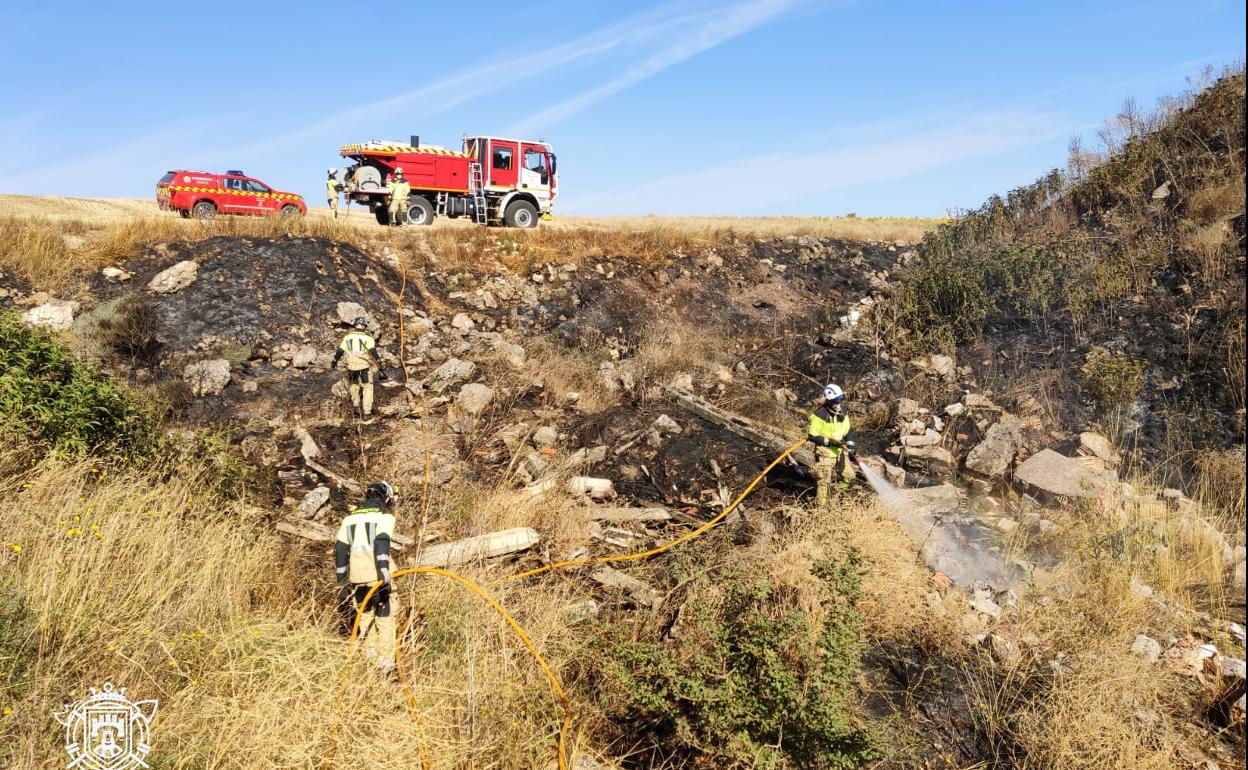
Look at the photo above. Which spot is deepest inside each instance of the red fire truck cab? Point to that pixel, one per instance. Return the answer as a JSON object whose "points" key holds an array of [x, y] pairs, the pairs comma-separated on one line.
{"points": [[493, 181], [203, 195]]}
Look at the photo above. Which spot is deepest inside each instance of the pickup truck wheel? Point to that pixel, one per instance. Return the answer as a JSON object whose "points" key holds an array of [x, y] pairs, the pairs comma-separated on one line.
{"points": [[419, 212], [204, 210], [520, 214], [289, 212]]}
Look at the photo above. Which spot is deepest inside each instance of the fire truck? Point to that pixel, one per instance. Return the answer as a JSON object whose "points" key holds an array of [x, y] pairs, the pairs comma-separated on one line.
{"points": [[490, 180]]}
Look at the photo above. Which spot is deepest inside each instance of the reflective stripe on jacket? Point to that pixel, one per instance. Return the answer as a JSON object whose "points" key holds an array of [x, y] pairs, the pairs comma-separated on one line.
{"points": [[362, 548], [824, 424], [400, 189]]}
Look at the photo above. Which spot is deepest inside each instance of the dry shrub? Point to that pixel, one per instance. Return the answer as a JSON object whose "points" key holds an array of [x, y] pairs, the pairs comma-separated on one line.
{"points": [[1208, 243], [565, 370], [1108, 711], [1216, 202], [667, 347], [1220, 487]]}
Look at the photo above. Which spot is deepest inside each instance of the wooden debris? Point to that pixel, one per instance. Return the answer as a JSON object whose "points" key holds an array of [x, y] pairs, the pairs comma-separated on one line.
{"points": [[487, 546], [617, 515], [641, 594], [340, 481], [751, 430]]}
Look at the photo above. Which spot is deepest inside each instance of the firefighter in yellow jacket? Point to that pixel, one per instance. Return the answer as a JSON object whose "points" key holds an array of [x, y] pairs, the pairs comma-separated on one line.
{"points": [[331, 190], [361, 558], [399, 192], [828, 430], [359, 350]]}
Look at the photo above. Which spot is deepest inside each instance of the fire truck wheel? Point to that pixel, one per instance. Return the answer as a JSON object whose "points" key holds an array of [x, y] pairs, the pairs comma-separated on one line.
{"points": [[204, 210], [419, 212], [383, 216], [520, 214]]}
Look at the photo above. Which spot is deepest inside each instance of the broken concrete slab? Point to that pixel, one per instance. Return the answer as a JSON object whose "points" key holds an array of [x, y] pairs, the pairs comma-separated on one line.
{"points": [[313, 502], [488, 546], [619, 515], [1055, 474], [641, 594]]}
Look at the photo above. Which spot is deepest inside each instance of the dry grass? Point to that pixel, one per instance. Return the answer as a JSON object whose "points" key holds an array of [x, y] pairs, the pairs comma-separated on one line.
{"points": [[238, 643], [49, 240]]}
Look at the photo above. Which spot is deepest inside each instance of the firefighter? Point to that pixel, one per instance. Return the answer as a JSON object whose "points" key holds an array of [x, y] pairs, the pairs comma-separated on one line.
{"points": [[359, 350], [361, 558], [331, 190], [828, 429], [399, 190]]}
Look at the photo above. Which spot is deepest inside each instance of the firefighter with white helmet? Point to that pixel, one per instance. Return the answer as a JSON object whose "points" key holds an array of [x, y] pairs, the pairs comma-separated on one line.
{"points": [[828, 430], [399, 192], [331, 190], [359, 349], [362, 558]]}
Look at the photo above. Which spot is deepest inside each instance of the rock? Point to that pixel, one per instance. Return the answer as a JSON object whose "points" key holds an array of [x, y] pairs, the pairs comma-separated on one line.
{"points": [[349, 311], [1237, 632], [1005, 650], [515, 356], [1006, 524], [907, 409], [116, 274], [1099, 446], [313, 502], [595, 489], [934, 459], [992, 456], [1233, 668], [175, 278], [56, 314], [207, 378], [303, 357], [308, 449], [1055, 474], [545, 437], [944, 367], [955, 409], [1146, 647], [453, 371], [986, 606], [1175, 500], [474, 397], [975, 401], [1162, 191], [928, 502], [928, 438], [462, 322], [666, 425]]}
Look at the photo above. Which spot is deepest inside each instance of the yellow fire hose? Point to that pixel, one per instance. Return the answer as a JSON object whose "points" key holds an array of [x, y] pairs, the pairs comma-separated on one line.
{"points": [[555, 686], [658, 549]]}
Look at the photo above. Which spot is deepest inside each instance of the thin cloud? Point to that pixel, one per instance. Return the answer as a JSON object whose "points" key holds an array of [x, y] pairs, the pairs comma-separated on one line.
{"points": [[713, 29], [777, 179]]}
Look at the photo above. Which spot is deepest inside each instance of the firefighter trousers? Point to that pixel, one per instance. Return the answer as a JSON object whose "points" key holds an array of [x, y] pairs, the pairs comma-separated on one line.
{"points": [[361, 387], [833, 466], [377, 629], [398, 210], [333, 204]]}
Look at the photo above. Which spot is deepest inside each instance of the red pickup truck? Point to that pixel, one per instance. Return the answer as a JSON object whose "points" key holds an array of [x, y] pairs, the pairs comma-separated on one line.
{"points": [[203, 195]]}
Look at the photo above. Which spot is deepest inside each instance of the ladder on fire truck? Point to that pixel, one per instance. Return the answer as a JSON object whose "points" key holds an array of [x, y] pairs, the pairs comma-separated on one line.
{"points": [[440, 207], [476, 188]]}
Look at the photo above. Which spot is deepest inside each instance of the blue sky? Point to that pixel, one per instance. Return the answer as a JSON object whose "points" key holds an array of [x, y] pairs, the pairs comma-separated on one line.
{"points": [[745, 107]]}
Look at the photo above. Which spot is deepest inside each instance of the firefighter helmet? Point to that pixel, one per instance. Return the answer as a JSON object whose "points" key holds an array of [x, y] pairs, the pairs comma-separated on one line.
{"points": [[398, 171], [381, 490], [832, 392], [360, 322], [332, 171]]}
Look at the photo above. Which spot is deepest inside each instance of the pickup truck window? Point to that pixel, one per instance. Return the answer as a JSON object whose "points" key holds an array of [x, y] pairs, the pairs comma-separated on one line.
{"points": [[255, 186]]}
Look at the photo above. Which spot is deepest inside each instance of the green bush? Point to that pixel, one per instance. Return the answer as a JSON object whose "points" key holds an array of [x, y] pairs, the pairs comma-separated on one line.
{"points": [[50, 399], [1111, 380], [749, 678]]}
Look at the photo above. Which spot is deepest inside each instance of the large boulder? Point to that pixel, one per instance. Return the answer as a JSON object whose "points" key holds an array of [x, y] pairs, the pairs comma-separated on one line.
{"points": [[933, 459], [1096, 445], [1055, 474], [57, 314], [176, 278], [992, 457], [207, 378]]}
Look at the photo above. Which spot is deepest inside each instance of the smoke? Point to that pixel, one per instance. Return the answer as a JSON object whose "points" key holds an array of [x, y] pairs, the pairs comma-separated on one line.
{"points": [[950, 539]]}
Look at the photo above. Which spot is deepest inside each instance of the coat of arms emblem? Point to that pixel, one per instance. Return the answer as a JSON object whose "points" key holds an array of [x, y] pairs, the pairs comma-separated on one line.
{"points": [[106, 730]]}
